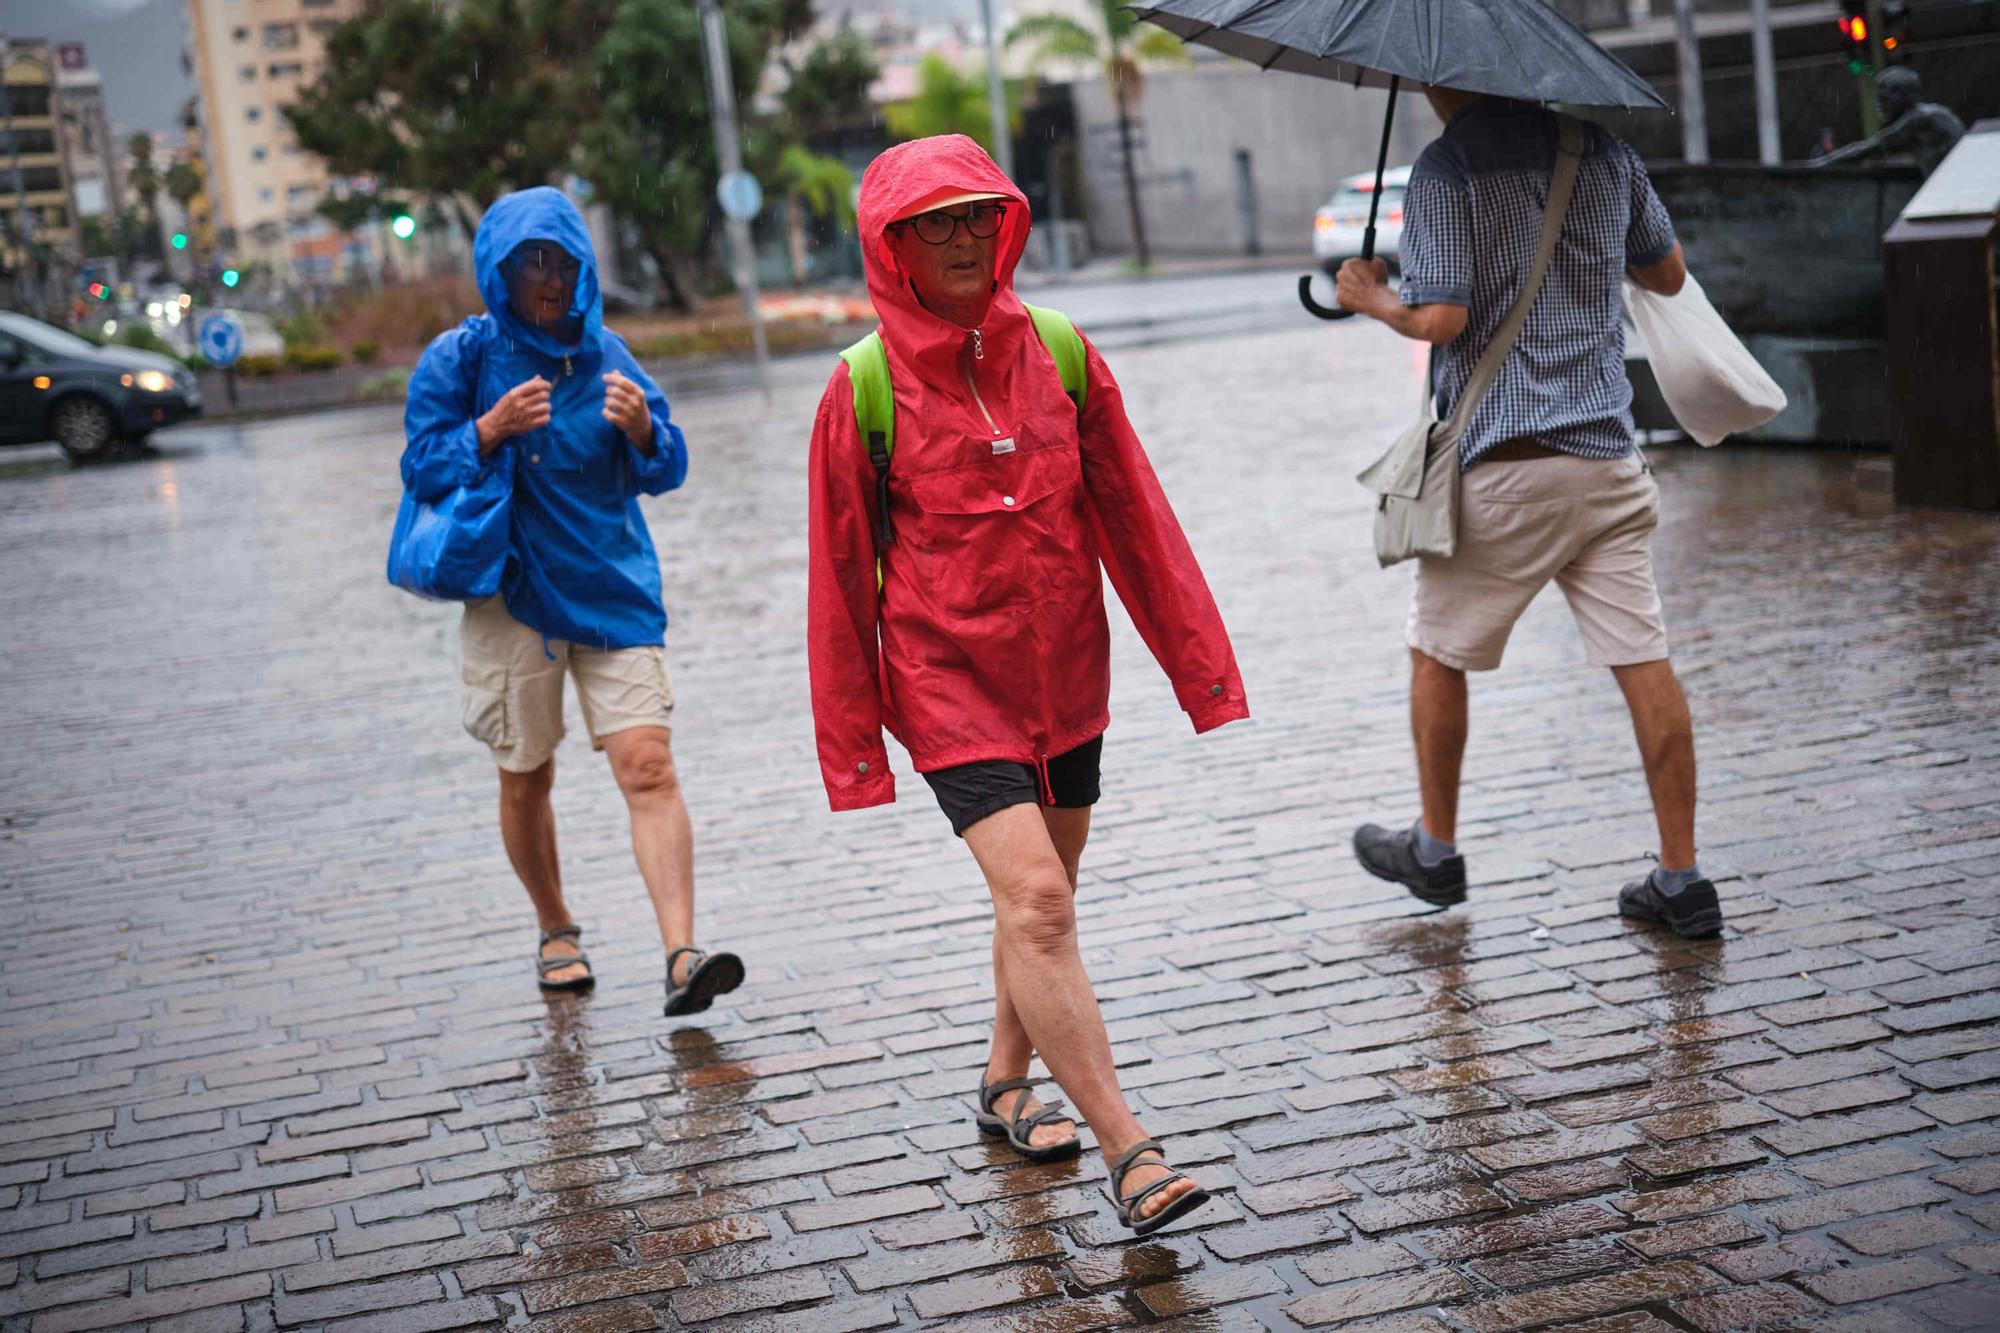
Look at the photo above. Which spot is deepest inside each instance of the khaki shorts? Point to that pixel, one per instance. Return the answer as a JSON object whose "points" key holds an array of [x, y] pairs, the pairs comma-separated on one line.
{"points": [[513, 698], [1587, 523]]}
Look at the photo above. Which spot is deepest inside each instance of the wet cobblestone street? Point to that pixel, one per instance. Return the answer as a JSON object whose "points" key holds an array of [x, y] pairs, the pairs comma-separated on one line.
{"points": [[273, 1057]]}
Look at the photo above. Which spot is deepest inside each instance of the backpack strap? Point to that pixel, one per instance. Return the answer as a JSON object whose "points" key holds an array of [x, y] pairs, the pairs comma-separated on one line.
{"points": [[875, 417], [1065, 344]]}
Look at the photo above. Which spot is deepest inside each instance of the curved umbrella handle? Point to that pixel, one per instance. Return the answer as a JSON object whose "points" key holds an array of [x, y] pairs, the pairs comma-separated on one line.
{"points": [[1321, 311]]}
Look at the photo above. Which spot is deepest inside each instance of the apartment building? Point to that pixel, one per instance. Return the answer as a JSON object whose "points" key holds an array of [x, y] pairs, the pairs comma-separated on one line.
{"points": [[251, 58], [35, 205]]}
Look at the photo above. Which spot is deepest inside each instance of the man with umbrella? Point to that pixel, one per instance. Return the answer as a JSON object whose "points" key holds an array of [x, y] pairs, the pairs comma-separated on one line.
{"points": [[1551, 486]]}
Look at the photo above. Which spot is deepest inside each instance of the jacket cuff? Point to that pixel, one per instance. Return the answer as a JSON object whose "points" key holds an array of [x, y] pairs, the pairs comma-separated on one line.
{"points": [[859, 791], [1213, 711]]}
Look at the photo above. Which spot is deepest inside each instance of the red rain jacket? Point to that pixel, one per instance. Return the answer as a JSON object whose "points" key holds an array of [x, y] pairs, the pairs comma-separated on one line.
{"points": [[987, 637]]}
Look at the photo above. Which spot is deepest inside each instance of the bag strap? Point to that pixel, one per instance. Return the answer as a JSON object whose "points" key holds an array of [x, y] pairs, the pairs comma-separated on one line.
{"points": [[875, 417], [1562, 184], [1065, 344]]}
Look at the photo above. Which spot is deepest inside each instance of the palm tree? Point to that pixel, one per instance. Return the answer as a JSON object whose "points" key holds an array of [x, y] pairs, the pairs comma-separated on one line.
{"points": [[1119, 48], [145, 181], [949, 102], [813, 184]]}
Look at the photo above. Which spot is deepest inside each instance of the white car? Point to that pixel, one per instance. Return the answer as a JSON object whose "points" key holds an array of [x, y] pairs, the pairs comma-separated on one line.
{"points": [[1341, 222]]}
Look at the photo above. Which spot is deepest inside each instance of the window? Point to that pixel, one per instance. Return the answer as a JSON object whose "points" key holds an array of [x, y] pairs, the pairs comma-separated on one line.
{"points": [[248, 74], [29, 142], [290, 70], [255, 113], [258, 154], [280, 36], [28, 99], [35, 180], [241, 34], [267, 194], [55, 217], [302, 196], [323, 28]]}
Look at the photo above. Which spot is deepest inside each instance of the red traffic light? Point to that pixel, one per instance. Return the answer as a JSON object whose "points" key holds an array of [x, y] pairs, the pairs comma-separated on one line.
{"points": [[1855, 27]]}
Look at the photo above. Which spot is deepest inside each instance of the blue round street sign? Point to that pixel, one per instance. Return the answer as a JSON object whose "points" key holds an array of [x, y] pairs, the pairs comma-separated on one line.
{"points": [[220, 339], [740, 195]]}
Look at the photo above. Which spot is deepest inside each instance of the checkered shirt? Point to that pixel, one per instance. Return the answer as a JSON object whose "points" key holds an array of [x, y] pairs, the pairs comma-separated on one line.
{"points": [[1472, 219]]}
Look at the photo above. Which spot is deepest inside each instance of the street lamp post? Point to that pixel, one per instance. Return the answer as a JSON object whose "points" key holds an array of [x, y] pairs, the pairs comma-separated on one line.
{"points": [[1694, 104], [729, 154], [1764, 70], [996, 96]]}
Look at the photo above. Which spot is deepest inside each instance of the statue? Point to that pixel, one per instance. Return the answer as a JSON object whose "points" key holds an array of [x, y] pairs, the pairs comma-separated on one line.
{"points": [[1917, 130]]}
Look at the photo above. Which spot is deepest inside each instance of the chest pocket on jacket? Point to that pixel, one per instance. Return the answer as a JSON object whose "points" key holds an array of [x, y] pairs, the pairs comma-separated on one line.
{"points": [[1001, 532]]}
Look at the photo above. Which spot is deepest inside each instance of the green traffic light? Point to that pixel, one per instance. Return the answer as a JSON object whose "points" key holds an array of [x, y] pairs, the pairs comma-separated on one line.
{"points": [[230, 277], [404, 226], [180, 240]]}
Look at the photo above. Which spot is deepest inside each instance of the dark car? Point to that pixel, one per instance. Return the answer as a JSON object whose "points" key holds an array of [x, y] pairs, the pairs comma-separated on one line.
{"points": [[55, 386]]}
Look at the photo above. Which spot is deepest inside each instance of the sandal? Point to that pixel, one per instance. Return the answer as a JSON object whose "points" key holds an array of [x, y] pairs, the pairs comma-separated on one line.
{"points": [[1019, 1133], [1128, 1205], [545, 964], [716, 974]]}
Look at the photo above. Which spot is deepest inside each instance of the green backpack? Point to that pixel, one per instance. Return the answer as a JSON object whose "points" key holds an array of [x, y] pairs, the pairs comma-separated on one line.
{"points": [[875, 401]]}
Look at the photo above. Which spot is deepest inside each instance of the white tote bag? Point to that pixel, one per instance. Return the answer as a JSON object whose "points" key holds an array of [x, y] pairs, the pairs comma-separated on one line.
{"points": [[1712, 384]]}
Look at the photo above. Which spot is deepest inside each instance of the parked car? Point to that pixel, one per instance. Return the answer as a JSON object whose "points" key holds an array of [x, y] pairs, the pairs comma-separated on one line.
{"points": [[56, 386], [1342, 220]]}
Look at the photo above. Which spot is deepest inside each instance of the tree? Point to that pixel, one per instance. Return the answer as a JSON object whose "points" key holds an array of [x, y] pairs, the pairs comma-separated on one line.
{"points": [[145, 182], [817, 185], [829, 88], [471, 99], [184, 182], [650, 150], [949, 101], [1119, 48]]}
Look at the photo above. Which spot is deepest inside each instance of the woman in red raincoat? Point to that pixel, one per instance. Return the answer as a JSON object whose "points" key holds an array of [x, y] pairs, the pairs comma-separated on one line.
{"points": [[984, 646]]}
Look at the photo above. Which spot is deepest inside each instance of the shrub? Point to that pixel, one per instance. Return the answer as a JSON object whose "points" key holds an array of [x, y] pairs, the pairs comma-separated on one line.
{"points": [[142, 337], [366, 352], [309, 327], [389, 384], [312, 356], [256, 367]]}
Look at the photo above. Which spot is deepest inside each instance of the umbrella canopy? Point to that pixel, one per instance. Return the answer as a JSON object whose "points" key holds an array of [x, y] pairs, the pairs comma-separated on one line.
{"points": [[1508, 48]]}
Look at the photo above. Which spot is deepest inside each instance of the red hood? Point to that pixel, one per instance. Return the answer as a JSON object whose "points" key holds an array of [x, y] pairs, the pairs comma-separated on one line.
{"points": [[899, 181]]}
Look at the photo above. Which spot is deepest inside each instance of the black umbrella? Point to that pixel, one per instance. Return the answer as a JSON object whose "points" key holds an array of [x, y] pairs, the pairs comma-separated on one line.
{"points": [[1508, 48]]}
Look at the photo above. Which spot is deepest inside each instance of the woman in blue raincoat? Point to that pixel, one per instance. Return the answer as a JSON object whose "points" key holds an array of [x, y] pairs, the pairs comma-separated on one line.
{"points": [[539, 388]]}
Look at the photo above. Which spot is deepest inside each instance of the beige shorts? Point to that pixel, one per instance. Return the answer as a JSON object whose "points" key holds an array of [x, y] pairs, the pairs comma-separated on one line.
{"points": [[1587, 523], [513, 696]]}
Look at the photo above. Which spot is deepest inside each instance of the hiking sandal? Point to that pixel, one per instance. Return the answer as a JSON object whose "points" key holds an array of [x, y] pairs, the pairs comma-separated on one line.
{"points": [[545, 964], [716, 974], [1020, 1132], [1128, 1205]]}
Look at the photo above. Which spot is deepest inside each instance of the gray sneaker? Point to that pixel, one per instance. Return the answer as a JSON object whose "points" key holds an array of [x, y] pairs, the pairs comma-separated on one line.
{"points": [[1391, 854], [1694, 913]]}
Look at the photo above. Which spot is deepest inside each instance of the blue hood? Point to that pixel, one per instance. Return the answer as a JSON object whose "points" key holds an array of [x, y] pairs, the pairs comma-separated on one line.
{"points": [[540, 214]]}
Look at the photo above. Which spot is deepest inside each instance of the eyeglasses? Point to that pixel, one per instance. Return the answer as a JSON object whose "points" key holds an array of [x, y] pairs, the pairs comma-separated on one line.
{"points": [[937, 227], [540, 263]]}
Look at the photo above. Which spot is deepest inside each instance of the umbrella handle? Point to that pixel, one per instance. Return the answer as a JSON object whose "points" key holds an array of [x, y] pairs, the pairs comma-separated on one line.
{"points": [[1321, 311]]}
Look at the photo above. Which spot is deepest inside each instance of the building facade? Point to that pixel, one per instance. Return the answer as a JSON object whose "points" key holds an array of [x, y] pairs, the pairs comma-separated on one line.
{"points": [[36, 211], [92, 155], [251, 60]]}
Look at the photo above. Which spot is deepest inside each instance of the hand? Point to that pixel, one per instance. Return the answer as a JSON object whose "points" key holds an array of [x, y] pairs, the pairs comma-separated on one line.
{"points": [[625, 407], [523, 408], [1361, 285]]}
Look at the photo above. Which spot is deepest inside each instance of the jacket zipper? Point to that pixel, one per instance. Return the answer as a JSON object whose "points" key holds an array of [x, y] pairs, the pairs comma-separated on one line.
{"points": [[566, 365], [979, 354]]}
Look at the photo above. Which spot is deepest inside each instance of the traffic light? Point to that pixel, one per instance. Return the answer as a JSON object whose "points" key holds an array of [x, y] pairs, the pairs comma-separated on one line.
{"points": [[1853, 23], [1895, 29], [230, 277], [100, 292], [180, 240], [404, 226]]}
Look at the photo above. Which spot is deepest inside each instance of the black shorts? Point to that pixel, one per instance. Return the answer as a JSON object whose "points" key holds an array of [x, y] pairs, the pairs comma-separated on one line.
{"points": [[969, 792]]}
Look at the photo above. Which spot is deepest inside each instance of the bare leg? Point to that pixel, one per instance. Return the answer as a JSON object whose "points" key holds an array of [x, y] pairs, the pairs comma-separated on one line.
{"points": [[1011, 1052], [528, 828], [1666, 745], [1438, 724], [1035, 916], [642, 761]]}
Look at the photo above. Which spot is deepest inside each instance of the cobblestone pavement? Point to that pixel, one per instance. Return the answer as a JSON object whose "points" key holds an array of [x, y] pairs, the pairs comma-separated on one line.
{"points": [[273, 1056]]}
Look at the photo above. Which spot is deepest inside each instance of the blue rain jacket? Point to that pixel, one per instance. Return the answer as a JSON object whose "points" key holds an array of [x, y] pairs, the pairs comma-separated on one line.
{"points": [[581, 565]]}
